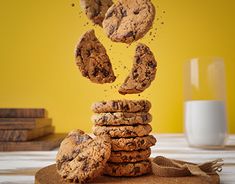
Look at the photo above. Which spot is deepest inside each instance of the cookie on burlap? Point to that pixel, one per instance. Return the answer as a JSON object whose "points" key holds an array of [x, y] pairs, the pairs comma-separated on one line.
{"points": [[121, 118], [135, 143], [96, 9], [129, 156], [129, 20], [92, 59], [128, 169], [122, 131], [81, 158], [121, 106], [143, 71]]}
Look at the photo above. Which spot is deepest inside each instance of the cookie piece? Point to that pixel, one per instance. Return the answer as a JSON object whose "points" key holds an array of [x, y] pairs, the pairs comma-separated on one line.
{"points": [[81, 158], [121, 106], [92, 59], [129, 20], [143, 71], [96, 9], [121, 118], [128, 169], [130, 144], [123, 131], [129, 156]]}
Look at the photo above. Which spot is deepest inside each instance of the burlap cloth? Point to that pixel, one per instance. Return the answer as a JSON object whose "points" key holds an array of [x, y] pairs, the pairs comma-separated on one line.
{"points": [[165, 167]]}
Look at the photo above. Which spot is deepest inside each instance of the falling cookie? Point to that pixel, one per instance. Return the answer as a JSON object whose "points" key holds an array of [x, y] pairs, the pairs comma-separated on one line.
{"points": [[92, 59], [81, 158], [96, 9], [143, 71], [129, 20]]}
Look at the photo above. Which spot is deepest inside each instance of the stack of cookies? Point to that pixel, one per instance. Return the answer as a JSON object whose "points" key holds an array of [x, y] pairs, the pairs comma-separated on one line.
{"points": [[127, 123]]}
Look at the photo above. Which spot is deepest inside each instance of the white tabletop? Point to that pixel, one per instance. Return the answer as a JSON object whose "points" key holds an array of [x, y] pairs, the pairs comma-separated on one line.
{"points": [[20, 167]]}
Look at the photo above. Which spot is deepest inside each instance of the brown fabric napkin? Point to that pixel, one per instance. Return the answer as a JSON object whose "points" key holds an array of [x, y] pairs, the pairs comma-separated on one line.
{"points": [[175, 168]]}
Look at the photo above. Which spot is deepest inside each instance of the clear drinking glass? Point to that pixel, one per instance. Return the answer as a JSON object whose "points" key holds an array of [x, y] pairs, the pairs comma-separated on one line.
{"points": [[205, 117]]}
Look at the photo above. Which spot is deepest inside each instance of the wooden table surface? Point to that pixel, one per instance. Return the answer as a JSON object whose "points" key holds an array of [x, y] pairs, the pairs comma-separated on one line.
{"points": [[20, 167]]}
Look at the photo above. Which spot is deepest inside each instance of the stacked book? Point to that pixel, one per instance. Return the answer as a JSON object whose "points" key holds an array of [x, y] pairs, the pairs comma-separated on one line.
{"points": [[28, 129]]}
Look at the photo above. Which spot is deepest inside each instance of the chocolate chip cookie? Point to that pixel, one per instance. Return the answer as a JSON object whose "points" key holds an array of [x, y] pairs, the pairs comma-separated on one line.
{"points": [[96, 9], [121, 106], [129, 156], [129, 20], [121, 118], [81, 158], [130, 144], [128, 169], [122, 131], [143, 71], [92, 59]]}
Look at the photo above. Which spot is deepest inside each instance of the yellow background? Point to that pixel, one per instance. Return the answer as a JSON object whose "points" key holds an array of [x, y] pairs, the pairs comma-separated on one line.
{"points": [[37, 68]]}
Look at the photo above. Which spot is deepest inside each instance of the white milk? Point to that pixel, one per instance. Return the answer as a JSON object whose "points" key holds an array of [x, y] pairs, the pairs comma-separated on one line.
{"points": [[205, 122]]}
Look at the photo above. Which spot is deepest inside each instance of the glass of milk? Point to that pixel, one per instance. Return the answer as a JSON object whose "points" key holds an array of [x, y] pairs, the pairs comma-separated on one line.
{"points": [[205, 118]]}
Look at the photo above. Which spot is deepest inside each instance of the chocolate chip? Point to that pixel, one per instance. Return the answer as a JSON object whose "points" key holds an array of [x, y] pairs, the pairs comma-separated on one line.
{"points": [[152, 64], [129, 34], [96, 71], [105, 72], [104, 119], [123, 12], [126, 107], [142, 141], [136, 12], [144, 117], [115, 105], [138, 61], [136, 170], [110, 14], [98, 2], [78, 52], [114, 170], [111, 30]]}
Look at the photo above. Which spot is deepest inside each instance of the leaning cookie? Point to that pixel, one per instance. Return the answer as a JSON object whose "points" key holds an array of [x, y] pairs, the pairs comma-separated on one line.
{"points": [[123, 131], [96, 9], [81, 158], [92, 59], [143, 71], [129, 20], [128, 169], [129, 156], [134, 143], [121, 106], [121, 118]]}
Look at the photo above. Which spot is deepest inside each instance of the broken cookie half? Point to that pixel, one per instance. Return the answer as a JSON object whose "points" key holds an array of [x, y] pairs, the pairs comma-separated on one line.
{"points": [[92, 59], [80, 158], [143, 71]]}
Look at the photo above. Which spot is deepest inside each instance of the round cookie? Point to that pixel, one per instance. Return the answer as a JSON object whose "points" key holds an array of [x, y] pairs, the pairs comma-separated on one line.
{"points": [[121, 118], [81, 158], [129, 20], [96, 9], [122, 131], [121, 106], [92, 59], [129, 156], [130, 144], [128, 169], [143, 71]]}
